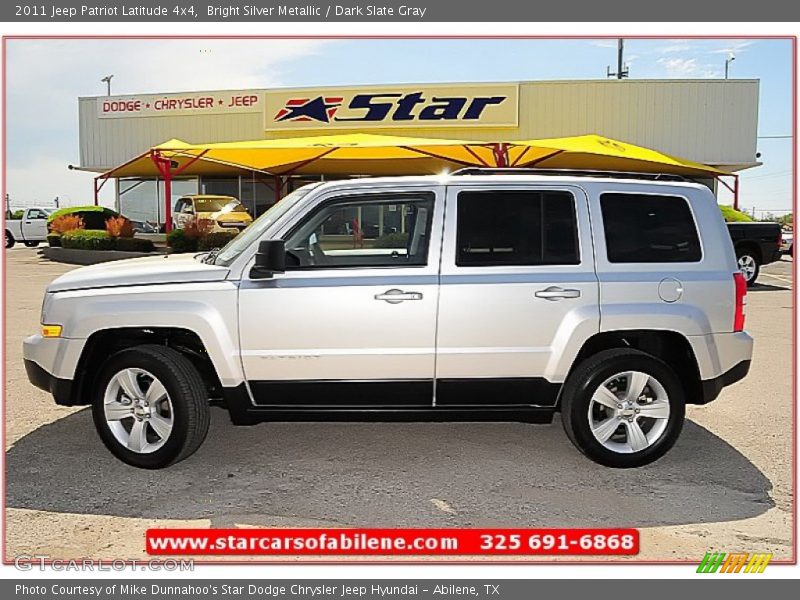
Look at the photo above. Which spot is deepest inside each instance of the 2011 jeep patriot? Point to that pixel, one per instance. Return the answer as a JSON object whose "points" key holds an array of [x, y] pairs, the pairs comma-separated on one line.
{"points": [[615, 300]]}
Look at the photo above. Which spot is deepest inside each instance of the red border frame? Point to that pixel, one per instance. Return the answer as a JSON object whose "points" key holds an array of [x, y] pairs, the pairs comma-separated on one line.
{"points": [[288, 560]]}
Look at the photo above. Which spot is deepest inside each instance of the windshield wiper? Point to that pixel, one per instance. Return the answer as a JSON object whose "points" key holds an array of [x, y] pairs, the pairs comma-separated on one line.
{"points": [[211, 257]]}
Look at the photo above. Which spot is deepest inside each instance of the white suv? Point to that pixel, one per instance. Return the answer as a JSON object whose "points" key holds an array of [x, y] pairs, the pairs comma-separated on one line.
{"points": [[615, 300]]}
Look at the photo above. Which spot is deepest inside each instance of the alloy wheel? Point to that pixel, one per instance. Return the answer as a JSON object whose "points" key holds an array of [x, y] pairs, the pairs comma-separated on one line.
{"points": [[629, 412], [138, 410], [747, 265]]}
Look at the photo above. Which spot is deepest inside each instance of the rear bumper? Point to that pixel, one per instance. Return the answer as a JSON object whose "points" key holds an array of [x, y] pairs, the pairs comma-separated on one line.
{"points": [[713, 387], [774, 256], [61, 389]]}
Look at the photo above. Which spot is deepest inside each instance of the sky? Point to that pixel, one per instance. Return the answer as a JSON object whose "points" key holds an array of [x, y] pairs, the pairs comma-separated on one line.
{"points": [[45, 78]]}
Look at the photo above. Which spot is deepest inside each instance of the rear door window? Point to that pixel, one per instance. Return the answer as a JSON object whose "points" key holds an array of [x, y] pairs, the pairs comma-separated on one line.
{"points": [[645, 228], [516, 228]]}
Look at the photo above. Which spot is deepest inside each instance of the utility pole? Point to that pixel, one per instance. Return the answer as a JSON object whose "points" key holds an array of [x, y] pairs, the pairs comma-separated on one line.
{"points": [[728, 62], [55, 200], [622, 70], [8, 206], [107, 80]]}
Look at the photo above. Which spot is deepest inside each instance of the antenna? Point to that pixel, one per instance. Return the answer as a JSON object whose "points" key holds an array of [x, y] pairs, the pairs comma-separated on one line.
{"points": [[623, 70]]}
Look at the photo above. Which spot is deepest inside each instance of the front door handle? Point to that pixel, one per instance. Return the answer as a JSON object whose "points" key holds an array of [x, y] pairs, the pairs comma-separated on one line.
{"points": [[557, 293], [398, 296]]}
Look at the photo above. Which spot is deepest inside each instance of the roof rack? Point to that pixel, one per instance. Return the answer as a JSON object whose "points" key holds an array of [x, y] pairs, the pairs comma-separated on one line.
{"points": [[571, 172]]}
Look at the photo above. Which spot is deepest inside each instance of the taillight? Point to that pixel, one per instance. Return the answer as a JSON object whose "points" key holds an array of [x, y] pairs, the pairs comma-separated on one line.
{"points": [[740, 283]]}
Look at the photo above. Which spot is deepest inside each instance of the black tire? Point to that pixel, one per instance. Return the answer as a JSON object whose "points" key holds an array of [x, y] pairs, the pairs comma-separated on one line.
{"points": [[589, 375], [186, 391], [10, 241], [744, 253], [31, 244]]}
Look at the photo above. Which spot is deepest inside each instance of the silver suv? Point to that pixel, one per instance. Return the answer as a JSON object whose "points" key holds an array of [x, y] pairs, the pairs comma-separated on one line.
{"points": [[614, 300]]}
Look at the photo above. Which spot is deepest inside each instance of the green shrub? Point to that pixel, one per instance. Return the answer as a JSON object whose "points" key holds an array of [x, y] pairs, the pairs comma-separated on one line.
{"points": [[87, 239], [178, 241], [392, 240], [732, 215], [133, 245], [17, 215], [54, 240], [218, 239], [94, 217]]}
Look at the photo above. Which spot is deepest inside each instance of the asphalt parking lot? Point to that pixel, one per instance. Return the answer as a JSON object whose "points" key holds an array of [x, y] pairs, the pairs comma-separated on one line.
{"points": [[727, 485]]}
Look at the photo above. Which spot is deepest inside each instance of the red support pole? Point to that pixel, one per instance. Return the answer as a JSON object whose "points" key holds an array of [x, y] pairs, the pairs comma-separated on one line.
{"points": [[168, 197], [164, 166], [500, 151]]}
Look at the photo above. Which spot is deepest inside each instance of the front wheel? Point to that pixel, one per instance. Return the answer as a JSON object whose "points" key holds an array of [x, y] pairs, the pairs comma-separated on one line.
{"points": [[10, 241], [150, 406], [749, 265], [623, 408], [31, 244]]}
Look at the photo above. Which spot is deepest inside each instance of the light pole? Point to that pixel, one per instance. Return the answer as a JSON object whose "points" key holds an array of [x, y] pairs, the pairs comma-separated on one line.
{"points": [[622, 70], [728, 61], [107, 80]]}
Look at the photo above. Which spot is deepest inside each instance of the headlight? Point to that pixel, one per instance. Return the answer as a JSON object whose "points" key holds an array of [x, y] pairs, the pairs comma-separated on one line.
{"points": [[48, 296]]}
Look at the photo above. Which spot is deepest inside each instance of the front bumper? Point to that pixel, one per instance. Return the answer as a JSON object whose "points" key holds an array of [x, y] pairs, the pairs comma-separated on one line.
{"points": [[51, 364], [61, 389]]}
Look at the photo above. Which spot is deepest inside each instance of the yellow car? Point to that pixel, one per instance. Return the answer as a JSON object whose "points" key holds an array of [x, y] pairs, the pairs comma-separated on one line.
{"points": [[226, 212]]}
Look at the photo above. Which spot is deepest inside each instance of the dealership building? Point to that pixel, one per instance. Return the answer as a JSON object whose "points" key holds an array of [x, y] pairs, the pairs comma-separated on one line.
{"points": [[713, 122]]}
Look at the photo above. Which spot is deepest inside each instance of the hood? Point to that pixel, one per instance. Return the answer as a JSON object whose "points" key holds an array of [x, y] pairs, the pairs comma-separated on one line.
{"points": [[226, 216], [176, 268]]}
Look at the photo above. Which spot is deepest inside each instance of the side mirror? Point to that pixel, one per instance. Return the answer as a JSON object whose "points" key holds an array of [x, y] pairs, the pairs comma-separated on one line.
{"points": [[270, 259]]}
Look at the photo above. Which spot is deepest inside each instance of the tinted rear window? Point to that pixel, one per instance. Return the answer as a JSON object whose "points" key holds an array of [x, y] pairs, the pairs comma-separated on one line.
{"points": [[641, 228], [502, 227]]}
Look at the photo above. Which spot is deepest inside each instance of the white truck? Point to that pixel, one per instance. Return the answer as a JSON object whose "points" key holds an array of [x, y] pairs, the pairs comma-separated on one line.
{"points": [[615, 301], [31, 229]]}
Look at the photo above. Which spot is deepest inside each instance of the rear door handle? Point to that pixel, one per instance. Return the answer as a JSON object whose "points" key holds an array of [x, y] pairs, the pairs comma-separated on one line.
{"points": [[397, 296], [557, 293]]}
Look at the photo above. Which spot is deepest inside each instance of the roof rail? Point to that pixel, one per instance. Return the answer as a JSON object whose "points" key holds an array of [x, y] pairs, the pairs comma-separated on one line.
{"points": [[571, 172]]}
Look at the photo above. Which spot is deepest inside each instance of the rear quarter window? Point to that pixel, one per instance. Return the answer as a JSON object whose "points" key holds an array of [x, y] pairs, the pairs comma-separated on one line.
{"points": [[646, 228]]}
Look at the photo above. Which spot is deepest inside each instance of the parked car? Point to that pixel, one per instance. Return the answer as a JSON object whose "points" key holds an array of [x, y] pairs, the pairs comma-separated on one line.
{"points": [[144, 227], [787, 242], [226, 212], [614, 301], [31, 229], [756, 244]]}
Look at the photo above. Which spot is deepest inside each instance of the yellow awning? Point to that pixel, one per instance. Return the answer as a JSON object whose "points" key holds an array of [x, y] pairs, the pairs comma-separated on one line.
{"points": [[353, 154], [368, 154], [595, 152]]}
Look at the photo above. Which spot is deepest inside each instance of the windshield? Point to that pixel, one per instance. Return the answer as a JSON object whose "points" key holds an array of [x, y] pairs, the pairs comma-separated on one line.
{"points": [[218, 204], [249, 236]]}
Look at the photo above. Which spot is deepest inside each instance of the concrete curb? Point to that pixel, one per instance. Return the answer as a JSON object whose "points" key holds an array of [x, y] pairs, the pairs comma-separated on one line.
{"points": [[74, 256]]}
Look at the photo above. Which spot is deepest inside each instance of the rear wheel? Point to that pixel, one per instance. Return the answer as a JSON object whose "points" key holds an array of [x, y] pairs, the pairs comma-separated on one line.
{"points": [[150, 406], [749, 265], [10, 241], [623, 408], [31, 244]]}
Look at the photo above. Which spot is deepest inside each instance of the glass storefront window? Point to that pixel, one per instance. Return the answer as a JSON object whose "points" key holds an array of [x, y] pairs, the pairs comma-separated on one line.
{"points": [[142, 199], [228, 186], [138, 200], [257, 195]]}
